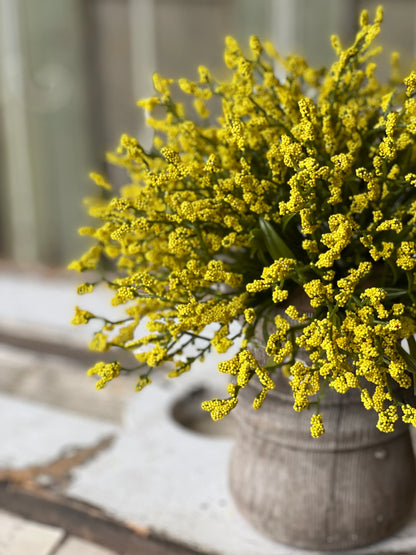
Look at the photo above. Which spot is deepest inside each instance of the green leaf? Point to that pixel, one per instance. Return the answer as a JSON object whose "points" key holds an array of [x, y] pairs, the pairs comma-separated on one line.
{"points": [[394, 292], [393, 270], [274, 243], [412, 346], [410, 361], [257, 246], [286, 220]]}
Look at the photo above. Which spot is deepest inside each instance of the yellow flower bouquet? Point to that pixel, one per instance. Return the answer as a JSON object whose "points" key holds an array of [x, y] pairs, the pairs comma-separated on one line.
{"points": [[275, 188]]}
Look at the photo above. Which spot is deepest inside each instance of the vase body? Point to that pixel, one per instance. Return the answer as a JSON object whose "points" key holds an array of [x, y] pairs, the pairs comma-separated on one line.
{"points": [[351, 487]]}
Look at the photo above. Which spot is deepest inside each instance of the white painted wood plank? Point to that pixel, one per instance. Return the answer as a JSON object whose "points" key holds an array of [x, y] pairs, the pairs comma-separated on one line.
{"points": [[77, 546], [21, 537], [34, 434]]}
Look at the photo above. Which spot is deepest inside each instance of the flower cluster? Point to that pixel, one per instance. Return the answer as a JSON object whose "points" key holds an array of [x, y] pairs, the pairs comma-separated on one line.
{"points": [[275, 189]]}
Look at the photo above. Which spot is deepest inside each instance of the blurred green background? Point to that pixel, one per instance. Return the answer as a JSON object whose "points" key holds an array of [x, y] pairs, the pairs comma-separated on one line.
{"points": [[71, 70]]}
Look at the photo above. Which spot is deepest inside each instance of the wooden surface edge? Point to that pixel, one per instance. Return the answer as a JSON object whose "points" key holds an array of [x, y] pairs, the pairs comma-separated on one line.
{"points": [[86, 521]]}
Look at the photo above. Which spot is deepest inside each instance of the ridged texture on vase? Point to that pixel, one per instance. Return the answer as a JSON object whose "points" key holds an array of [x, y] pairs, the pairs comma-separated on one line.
{"points": [[352, 486]]}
